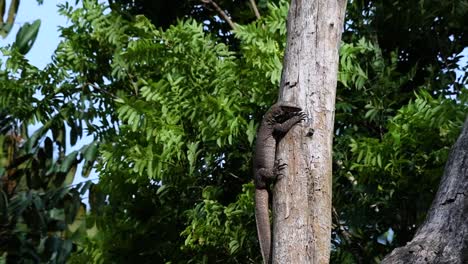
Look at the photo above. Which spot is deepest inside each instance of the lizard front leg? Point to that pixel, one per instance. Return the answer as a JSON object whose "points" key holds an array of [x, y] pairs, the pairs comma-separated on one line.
{"points": [[284, 127]]}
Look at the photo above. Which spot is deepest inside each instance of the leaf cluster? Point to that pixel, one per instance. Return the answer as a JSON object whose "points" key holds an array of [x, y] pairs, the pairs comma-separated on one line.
{"points": [[188, 105], [38, 206]]}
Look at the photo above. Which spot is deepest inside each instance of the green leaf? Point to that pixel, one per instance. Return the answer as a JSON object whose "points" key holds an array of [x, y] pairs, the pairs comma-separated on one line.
{"points": [[87, 168], [91, 151], [26, 36], [192, 154], [19, 203], [70, 175], [33, 141], [59, 133], [48, 147], [69, 161], [65, 251], [233, 246], [251, 131], [86, 187], [75, 133], [3, 207]]}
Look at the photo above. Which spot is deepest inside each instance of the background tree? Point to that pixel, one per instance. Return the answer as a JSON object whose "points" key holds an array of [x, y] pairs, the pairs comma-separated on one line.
{"points": [[441, 238], [400, 129]]}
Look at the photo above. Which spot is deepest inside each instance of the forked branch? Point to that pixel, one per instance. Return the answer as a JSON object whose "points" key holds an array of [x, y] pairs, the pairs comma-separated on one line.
{"points": [[220, 12]]}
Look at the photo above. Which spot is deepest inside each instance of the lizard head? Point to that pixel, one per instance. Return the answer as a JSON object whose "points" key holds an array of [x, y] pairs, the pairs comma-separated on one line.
{"points": [[282, 111], [290, 108]]}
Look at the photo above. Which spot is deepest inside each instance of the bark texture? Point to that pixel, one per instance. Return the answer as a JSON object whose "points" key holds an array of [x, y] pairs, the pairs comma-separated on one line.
{"points": [[443, 237], [302, 195]]}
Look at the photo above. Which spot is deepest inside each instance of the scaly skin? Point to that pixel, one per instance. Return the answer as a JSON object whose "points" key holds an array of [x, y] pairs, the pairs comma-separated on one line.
{"points": [[277, 121]]}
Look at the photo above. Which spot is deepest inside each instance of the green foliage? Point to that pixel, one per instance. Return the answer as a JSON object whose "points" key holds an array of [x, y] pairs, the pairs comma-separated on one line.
{"points": [[399, 110], [394, 177], [189, 108], [165, 114], [39, 205], [263, 44], [214, 225], [26, 35], [426, 33], [164, 14], [41, 117]]}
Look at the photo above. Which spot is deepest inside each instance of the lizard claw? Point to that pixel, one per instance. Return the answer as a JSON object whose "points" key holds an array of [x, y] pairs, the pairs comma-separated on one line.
{"points": [[279, 167], [302, 115], [282, 166]]}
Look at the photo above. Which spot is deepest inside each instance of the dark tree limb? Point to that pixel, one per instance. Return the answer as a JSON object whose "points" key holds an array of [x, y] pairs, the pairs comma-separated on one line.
{"points": [[220, 12], [443, 237]]}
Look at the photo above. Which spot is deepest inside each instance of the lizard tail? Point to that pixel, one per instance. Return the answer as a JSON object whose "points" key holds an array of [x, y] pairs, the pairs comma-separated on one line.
{"points": [[263, 223]]}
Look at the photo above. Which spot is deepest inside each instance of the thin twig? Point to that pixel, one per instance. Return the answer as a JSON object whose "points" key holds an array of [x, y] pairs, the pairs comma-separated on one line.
{"points": [[96, 87], [221, 12], [255, 9]]}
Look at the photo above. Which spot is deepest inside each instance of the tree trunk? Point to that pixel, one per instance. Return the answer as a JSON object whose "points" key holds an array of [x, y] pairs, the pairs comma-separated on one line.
{"points": [[443, 237], [302, 197]]}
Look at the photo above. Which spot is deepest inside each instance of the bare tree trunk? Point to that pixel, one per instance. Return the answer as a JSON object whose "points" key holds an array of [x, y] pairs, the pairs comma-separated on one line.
{"points": [[302, 197], [443, 237]]}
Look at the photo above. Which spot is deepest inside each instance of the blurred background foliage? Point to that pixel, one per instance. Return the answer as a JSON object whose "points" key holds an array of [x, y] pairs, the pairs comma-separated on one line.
{"points": [[172, 98]]}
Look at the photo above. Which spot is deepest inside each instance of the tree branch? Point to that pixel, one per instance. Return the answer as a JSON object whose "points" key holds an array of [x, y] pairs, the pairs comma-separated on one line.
{"points": [[220, 12], [255, 9]]}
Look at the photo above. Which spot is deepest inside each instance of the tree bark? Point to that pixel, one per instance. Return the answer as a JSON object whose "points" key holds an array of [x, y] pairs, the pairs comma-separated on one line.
{"points": [[443, 237], [302, 197]]}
